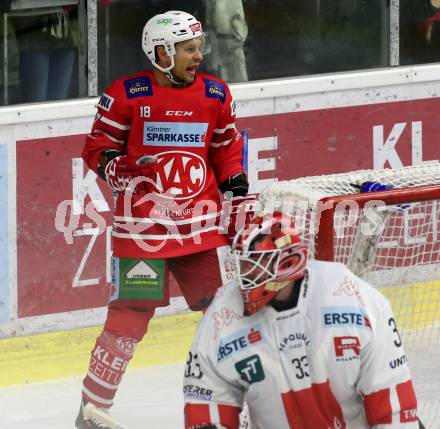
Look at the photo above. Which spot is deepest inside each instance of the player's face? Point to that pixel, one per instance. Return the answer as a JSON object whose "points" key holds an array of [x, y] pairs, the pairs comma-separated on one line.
{"points": [[187, 59]]}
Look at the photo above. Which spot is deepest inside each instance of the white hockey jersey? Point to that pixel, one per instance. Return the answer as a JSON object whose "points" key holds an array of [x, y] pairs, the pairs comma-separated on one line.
{"points": [[334, 361]]}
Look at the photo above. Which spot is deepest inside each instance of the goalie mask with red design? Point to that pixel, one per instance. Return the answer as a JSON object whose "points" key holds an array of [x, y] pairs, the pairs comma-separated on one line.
{"points": [[269, 255]]}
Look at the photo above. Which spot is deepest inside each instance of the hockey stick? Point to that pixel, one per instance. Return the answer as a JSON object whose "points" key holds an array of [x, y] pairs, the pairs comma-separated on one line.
{"points": [[244, 160]]}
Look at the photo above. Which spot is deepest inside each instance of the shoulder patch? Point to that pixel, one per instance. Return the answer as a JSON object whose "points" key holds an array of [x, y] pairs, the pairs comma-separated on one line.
{"points": [[138, 87], [214, 89], [233, 107], [105, 102]]}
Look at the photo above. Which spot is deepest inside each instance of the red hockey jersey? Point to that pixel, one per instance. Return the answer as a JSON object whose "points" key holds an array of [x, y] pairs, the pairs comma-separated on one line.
{"points": [[191, 131]]}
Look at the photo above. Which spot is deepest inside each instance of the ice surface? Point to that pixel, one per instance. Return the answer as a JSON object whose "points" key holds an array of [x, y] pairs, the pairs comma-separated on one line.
{"points": [[147, 398]]}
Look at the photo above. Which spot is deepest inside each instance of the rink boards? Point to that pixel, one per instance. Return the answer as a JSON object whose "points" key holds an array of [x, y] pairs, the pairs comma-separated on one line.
{"points": [[55, 268], [66, 354]]}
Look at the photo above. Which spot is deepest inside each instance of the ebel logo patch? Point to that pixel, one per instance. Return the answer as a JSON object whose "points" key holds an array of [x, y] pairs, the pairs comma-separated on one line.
{"points": [[180, 175], [214, 89], [344, 316], [250, 369], [138, 87], [238, 341], [176, 134], [105, 102]]}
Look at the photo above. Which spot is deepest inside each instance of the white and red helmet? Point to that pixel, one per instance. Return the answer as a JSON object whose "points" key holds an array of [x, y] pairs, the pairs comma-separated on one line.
{"points": [[269, 255], [167, 29]]}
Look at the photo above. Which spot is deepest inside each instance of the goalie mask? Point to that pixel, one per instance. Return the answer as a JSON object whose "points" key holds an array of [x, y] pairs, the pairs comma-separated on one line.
{"points": [[269, 255], [167, 29]]}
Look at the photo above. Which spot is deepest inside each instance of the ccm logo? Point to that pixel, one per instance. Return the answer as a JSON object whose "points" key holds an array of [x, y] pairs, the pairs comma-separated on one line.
{"points": [[178, 113]]}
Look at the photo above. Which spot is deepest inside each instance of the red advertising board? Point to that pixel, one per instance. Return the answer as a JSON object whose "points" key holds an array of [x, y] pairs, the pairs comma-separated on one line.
{"points": [[342, 139], [46, 264], [308, 143]]}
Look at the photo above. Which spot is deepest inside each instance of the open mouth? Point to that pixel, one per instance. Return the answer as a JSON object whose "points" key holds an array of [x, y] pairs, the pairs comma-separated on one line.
{"points": [[192, 70]]}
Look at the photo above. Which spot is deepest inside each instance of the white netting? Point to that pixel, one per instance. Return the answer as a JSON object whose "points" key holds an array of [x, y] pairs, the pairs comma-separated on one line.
{"points": [[396, 249], [245, 422], [300, 196], [317, 187]]}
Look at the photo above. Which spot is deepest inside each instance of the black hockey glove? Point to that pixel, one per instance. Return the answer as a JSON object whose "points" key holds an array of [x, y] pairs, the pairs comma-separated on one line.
{"points": [[104, 158], [237, 184]]}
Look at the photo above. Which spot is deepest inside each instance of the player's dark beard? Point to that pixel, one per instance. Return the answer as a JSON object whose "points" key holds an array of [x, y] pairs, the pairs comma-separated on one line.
{"points": [[291, 302]]}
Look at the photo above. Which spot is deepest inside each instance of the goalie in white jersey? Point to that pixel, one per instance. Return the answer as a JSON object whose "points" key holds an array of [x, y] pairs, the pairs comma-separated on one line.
{"points": [[308, 344]]}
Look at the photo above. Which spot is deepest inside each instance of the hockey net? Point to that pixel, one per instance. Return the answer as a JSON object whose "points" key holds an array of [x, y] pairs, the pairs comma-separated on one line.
{"points": [[390, 238]]}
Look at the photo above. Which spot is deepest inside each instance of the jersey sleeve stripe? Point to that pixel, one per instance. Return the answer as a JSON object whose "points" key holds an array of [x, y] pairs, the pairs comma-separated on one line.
{"points": [[114, 123], [99, 128], [150, 220], [229, 415], [223, 143], [113, 139], [214, 413], [407, 401], [222, 130], [156, 237], [196, 414], [378, 408]]}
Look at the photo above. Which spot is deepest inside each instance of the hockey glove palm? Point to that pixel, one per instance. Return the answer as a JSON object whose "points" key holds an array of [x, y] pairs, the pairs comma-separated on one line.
{"points": [[120, 172], [237, 184]]}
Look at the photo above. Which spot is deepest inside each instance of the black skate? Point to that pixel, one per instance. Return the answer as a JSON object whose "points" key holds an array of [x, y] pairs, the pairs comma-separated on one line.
{"points": [[92, 417]]}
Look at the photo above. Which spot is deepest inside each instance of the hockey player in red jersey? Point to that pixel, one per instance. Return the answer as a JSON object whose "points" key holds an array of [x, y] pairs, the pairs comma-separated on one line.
{"points": [[308, 344], [165, 141]]}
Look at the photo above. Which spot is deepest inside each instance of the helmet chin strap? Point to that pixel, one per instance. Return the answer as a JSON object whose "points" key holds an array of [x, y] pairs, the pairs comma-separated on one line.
{"points": [[167, 71], [173, 80]]}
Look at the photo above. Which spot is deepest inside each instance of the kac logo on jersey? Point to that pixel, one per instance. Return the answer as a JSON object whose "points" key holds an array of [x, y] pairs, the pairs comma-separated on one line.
{"points": [[344, 316], [181, 175], [238, 341], [214, 89], [175, 134], [138, 87]]}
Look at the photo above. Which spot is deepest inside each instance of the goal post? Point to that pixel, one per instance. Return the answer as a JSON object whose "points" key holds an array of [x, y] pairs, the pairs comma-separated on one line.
{"points": [[391, 239], [324, 241]]}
